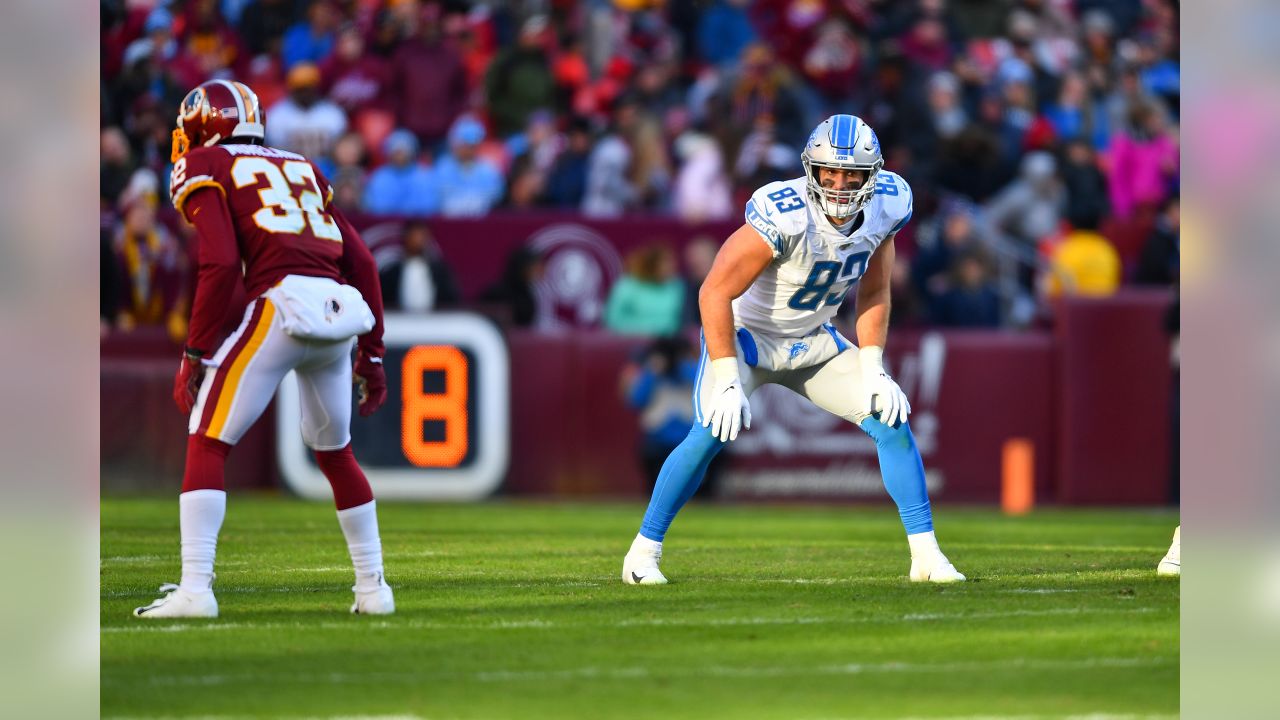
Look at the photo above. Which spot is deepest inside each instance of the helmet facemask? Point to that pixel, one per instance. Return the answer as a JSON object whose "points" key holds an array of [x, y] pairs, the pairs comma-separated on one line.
{"points": [[840, 204]]}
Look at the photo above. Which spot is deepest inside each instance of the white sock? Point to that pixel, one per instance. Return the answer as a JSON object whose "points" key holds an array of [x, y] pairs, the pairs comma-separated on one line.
{"points": [[1175, 550], [360, 527], [200, 514], [924, 545], [644, 545]]}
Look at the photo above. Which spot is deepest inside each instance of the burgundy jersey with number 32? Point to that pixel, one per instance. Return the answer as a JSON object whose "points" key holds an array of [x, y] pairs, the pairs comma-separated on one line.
{"points": [[279, 205]]}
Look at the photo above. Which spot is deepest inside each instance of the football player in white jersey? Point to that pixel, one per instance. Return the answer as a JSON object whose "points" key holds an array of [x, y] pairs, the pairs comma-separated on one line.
{"points": [[766, 309]]}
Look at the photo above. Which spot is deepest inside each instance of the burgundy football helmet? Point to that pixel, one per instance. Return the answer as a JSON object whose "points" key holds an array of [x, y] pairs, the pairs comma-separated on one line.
{"points": [[216, 111]]}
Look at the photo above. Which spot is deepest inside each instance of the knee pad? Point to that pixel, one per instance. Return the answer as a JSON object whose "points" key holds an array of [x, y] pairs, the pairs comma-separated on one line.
{"points": [[325, 439]]}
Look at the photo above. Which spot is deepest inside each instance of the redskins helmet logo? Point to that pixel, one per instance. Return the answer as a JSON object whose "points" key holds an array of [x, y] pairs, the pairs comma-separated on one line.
{"points": [[194, 103]]}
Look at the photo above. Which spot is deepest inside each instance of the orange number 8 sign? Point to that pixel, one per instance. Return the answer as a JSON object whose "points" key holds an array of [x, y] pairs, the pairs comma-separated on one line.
{"points": [[419, 406]]}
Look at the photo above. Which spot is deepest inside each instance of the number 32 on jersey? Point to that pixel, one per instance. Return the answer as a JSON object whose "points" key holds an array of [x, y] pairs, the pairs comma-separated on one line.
{"points": [[281, 212]]}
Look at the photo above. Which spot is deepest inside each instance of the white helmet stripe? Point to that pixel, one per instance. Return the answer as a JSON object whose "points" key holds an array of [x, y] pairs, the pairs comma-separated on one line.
{"points": [[252, 99], [235, 94]]}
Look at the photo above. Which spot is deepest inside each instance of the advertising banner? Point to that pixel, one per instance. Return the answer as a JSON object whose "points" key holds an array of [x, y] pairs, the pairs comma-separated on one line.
{"points": [[970, 394]]}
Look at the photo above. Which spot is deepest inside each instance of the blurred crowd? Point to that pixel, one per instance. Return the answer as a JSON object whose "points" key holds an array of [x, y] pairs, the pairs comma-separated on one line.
{"points": [[1040, 136]]}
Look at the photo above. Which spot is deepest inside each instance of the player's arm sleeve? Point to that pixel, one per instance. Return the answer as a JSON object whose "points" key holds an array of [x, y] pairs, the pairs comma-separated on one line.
{"points": [[901, 223], [218, 266], [906, 208], [361, 272]]}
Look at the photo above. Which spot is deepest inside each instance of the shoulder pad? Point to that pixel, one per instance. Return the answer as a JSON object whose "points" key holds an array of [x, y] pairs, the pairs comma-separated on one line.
{"points": [[778, 211], [200, 167], [895, 199], [326, 187]]}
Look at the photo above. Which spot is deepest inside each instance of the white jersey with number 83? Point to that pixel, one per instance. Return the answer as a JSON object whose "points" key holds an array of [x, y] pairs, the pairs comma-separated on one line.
{"points": [[815, 265]]}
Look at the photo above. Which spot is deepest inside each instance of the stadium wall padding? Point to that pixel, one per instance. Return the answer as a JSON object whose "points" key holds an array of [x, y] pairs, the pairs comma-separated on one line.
{"points": [[1098, 417], [1113, 399]]}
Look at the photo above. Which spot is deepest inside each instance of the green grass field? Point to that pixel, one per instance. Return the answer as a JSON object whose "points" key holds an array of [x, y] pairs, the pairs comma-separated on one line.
{"points": [[516, 610]]}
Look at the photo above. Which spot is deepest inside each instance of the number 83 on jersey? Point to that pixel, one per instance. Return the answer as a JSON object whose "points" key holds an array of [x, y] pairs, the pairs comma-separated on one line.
{"points": [[823, 276]]}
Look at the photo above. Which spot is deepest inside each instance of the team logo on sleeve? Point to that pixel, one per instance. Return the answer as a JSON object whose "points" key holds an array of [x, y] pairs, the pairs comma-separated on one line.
{"points": [[767, 230]]}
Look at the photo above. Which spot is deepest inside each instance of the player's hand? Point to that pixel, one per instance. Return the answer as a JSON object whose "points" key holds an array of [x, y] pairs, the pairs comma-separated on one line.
{"points": [[886, 400], [728, 411], [371, 383], [186, 384]]}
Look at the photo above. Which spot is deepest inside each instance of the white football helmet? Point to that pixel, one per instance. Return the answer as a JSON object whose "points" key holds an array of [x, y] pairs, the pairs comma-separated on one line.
{"points": [[846, 142]]}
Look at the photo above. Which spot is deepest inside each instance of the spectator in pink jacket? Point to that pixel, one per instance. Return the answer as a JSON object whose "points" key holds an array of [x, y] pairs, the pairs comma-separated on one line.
{"points": [[1143, 162]]}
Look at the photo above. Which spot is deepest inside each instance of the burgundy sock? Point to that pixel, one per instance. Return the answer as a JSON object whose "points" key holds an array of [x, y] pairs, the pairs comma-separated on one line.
{"points": [[350, 487], [206, 458]]}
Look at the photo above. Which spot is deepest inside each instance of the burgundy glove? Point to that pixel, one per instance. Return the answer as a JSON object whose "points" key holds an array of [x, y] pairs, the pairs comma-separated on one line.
{"points": [[186, 384], [371, 383]]}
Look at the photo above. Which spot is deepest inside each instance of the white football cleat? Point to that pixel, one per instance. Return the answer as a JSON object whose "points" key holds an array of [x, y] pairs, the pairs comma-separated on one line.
{"points": [[1171, 564], [640, 566], [641, 570], [937, 570], [378, 601], [179, 603]]}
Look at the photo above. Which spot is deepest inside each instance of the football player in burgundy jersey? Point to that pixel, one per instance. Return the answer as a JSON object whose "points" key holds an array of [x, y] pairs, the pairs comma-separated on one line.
{"points": [[264, 217]]}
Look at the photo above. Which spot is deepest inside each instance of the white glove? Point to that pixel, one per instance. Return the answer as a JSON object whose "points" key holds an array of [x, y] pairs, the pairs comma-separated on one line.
{"points": [[728, 409], [882, 393]]}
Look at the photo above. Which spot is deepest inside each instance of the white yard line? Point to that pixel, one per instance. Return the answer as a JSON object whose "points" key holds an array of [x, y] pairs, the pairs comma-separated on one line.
{"points": [[1053, 548], [1050, 591], [158, 559], [642, 672], [1021, 613], [358, 624], [236, 590]]}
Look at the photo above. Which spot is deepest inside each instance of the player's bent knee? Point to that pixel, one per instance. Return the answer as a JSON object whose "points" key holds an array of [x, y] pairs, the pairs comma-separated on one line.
{"points": [[888, 437], [702, 440], [323, 442], [326, 446]]}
